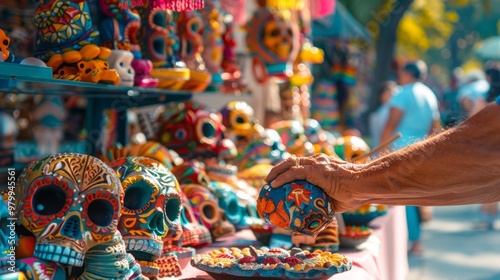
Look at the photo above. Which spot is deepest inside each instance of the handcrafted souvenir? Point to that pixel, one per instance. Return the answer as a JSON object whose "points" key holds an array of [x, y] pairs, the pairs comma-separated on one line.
{"points": [[89, 64], [191, 130], [206, 210], [263, 232], [119, 29], [293, 137], [364, 214], [298, 206], [318, 137], [271, 263], [109, 260], [160, 44], [255, 174], [121, 61], [236, 212], [213, 47], [149, 149], [190, 30], [168, 266], [239, 119], [227, 173], [193, 172], [273, 42], [62, 26], [350, 147], [268, 148], [194, 234], [70, 203], [142, 68], [151, 208], [6, 55], [354, 236], [327, 239]]}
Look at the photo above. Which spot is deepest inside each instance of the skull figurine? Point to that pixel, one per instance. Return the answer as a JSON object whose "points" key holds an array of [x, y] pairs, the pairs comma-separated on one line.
{"points": [[206, 210], [350, 147], [121, 61], [151, 209], [4, 46], [194, 233], [293, 136], [70, 203]]}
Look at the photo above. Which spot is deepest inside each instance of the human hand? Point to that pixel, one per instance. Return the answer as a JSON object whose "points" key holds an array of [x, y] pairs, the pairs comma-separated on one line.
{"points": [[335, 176]]}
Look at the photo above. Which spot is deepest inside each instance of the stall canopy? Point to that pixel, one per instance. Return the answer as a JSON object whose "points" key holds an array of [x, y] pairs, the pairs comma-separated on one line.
{"points": [[339, 25]]}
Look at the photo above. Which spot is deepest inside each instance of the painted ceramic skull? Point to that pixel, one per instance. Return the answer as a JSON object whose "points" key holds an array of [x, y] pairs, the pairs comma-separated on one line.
{"points": [[239, 119], [119, 29], [121, 61], [206, 210], [266, 148], [273, 41], [318, 137], [158, 40], [4, 45], [151, 208], [298, 206], [350, 147], [70, 203], [293, 136], [194, 233], [192, 130]]}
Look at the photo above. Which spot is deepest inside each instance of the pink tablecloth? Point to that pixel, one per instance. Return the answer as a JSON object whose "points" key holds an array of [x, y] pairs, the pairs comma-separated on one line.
{"points": [[384, 258]]}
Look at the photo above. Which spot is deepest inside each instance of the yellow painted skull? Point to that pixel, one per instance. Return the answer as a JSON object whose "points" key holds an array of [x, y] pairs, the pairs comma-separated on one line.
{"points": [[278, 37]]}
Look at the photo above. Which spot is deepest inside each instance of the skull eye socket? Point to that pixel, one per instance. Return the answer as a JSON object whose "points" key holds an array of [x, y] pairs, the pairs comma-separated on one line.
{"points": [[49, 200], [5, 42], [240, 120], [180, 134], [172, 208], [136, 197], [208, 130], [87, 70], [100, 212]]}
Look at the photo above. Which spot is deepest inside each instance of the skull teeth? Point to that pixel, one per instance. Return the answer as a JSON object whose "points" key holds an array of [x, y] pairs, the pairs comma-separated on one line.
{"points": [[144, 245], [61, 254]]}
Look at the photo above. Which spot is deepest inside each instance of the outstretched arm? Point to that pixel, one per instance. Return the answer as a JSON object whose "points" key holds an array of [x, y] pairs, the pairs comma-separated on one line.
{"points": [[458, 166]]}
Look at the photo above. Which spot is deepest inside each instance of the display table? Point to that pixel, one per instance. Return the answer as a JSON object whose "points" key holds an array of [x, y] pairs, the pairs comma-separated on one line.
{"points": [[383, 256]]}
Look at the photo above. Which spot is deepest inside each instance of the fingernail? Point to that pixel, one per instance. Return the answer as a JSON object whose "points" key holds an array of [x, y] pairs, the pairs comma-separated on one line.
{"points": [[272, 183]]}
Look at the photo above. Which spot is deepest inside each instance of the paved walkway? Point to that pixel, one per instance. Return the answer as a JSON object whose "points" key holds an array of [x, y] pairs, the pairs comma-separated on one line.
{"points": [[456, 249]]}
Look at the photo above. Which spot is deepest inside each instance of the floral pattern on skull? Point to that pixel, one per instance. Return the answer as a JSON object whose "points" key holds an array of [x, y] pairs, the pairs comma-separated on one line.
{"points": [[70, 203], [151, 209]]}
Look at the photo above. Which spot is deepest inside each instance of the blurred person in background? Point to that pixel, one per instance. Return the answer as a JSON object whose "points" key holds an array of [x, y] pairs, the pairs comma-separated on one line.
{"points": [[414, 112], [473, 92], [379, 117]]}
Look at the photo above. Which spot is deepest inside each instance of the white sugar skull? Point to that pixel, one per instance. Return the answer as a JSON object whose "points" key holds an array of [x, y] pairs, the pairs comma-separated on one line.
{"points": [[151, 209], [121, 61], [70, 202]]}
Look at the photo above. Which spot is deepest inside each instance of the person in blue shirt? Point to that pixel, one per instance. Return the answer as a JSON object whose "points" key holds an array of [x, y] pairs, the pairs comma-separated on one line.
{"points": [[379, 118], [413, 112]]}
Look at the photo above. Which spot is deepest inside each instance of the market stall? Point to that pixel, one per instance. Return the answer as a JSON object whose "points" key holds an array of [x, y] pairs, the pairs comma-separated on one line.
{"points": [[137, 138]]}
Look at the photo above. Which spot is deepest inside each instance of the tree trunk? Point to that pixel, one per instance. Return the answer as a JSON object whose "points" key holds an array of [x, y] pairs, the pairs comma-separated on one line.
{"points": [[386, 43]]}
